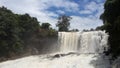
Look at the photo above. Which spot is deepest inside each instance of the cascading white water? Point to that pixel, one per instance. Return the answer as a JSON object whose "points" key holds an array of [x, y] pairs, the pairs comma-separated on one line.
{"points": [[68, 41], [83, 42], [84, 52]]}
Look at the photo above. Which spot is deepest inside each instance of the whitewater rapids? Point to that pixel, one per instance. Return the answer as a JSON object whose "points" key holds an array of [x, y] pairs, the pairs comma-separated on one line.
{"points": [[69, 61]]}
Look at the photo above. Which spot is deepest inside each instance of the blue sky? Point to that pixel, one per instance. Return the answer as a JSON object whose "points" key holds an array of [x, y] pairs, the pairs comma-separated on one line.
{"points": [[85, 13]]}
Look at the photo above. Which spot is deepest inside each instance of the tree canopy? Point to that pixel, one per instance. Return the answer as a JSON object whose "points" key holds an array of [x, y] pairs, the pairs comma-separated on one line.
{"points": [[18, 32], [45, 25], [14, 29], [111, 19], [63, 23]]}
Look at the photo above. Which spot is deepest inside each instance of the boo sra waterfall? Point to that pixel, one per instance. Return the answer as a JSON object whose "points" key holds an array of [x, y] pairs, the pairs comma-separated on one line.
{"points": [[83, 42], [76, 50]]}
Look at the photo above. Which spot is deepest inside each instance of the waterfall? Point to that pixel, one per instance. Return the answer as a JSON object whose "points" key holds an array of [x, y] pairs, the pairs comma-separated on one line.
{"points": [[84, 50], [68, 41], [83, 42]]}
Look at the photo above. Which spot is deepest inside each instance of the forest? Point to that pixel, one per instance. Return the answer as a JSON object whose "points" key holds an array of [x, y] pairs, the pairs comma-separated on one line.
{"points": [[19, 32]]}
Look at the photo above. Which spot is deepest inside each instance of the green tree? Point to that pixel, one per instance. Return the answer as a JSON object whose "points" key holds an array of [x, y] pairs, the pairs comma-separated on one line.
{"points": [[15, 30], [45, 26], [63, 23], [9, 30], [111, 19], [20, 33]]}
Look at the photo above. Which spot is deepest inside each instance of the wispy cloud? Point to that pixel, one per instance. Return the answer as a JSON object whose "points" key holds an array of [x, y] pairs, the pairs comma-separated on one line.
{"points": [[85, 12], [67, 5], [60, 12], [90, 8], [84, 22]]}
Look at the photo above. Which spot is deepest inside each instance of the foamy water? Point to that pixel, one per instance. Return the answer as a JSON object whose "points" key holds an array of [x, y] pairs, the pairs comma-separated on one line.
{"points": [[69, 61]]}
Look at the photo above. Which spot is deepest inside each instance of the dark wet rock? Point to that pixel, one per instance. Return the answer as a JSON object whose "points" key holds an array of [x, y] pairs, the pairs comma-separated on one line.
{"points": [[56, 56], [116, 63], [62, 55]]}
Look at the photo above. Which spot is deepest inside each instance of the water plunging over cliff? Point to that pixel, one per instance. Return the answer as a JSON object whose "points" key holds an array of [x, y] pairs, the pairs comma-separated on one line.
{"points": [[83, 42]]}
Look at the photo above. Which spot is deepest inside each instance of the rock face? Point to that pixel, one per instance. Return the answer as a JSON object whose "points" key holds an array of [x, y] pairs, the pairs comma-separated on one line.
{"points": [[116, 63]]}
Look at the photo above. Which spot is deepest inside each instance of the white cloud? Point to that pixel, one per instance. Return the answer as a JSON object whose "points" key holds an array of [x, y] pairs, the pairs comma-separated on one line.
{"points": [[85, 12], [84, 22], [66, 4], [92, 20], [60, 12], [90, 8], [38, 8], [100, 10]]}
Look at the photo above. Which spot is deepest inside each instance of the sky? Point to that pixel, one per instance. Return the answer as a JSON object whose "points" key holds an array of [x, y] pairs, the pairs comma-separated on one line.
{"points": [[85, 13]]}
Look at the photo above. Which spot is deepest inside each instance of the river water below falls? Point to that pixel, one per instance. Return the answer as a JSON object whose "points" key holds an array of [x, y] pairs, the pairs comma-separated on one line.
{"points": [[68, 61]]}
